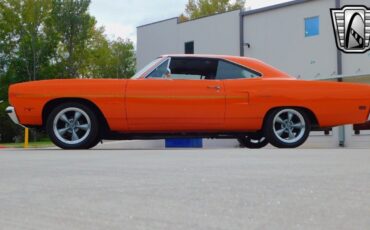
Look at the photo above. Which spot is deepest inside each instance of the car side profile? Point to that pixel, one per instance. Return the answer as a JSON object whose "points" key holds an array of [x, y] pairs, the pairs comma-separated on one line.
{"points": [[206, 96]]}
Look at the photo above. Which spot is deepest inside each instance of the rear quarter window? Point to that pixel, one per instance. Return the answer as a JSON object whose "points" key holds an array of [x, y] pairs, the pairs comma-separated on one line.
{"points": [[227, 70]]}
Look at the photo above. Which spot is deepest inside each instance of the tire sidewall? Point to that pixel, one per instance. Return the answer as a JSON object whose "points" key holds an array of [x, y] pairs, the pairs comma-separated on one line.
{"points": [[274, 140], [91, 139]]}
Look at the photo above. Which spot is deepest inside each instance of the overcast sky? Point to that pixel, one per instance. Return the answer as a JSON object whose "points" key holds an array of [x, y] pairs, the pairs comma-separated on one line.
{"points": [[121, 17]]}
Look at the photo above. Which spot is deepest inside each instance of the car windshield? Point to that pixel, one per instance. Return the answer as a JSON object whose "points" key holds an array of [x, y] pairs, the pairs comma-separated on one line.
{"points": [[146, 68]]}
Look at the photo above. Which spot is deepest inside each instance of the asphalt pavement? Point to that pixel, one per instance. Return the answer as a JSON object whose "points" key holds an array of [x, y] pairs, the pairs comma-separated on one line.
{"points": [[185, 189]]}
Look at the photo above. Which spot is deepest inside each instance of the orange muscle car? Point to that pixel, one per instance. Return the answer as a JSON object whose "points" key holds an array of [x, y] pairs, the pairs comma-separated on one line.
{"points": [[189, 96]]}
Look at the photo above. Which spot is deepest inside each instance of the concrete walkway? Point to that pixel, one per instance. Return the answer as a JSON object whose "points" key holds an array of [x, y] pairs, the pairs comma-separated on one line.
{"points": [[185, 189]]}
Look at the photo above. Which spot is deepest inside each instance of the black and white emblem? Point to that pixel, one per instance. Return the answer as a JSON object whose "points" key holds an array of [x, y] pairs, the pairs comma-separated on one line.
{"points": [[352, 28]]}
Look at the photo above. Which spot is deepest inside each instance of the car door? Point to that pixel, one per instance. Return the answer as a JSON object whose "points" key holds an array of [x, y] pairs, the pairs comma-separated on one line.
{"points": [[190, 100], [239, 83]]}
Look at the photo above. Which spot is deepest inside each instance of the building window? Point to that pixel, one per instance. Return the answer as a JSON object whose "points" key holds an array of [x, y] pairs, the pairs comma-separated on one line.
{"points": [[312, 26], [189, 47]]}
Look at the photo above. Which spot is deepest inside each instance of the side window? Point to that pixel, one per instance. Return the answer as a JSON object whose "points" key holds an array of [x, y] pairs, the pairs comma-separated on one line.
{"points": [[193, 68], [160, 71], [228, 70]]}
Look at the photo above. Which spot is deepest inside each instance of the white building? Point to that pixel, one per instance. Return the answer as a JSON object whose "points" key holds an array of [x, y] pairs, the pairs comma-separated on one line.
{"points": [[296, 37]]}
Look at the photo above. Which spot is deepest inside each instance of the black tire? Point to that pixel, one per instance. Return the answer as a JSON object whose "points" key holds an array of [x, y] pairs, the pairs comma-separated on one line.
{"points": [[86, 126], [95, 143], [291, 132], [253, 142]]}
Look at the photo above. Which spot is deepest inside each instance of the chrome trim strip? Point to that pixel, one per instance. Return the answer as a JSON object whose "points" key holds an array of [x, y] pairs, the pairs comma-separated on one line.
{"points": [[12, 114]]}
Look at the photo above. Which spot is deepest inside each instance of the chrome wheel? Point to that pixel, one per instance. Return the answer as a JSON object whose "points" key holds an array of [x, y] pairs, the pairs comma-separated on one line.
{"points": [[289, 126], [72, 126]]}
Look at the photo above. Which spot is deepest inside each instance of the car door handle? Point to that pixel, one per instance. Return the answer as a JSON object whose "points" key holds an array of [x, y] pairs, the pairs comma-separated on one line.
{"points": [[216, 87]]}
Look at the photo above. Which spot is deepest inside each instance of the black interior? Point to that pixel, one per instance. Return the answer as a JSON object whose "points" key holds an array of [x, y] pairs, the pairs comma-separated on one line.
{"points": [[195, 66]]}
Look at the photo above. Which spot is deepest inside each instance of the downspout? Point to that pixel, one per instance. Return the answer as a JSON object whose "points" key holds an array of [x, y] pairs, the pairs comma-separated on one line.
{"points": [[241, 32], [342, 129]]}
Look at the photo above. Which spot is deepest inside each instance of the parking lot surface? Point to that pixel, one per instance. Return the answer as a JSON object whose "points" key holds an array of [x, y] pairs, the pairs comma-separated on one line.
{"points": [[185, 189]]}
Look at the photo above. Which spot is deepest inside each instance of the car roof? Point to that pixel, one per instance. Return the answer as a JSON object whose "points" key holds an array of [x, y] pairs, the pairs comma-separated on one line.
{"points": [[207, 56], [252, 63]]}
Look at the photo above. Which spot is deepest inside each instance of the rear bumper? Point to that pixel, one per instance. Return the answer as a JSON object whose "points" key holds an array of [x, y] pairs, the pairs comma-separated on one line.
{"points": [[12, 114]]}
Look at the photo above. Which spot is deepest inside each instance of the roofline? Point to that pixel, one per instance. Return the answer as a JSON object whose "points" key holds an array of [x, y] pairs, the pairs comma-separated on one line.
{"points": [[211, 15], [195, 55], [178, 22], [274, 7], [168, 19], [242, 13], [217, 56]]}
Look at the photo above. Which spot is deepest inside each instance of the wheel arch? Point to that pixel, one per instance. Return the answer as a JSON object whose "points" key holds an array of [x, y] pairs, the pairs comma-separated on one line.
{"points": [[50, 105], [311, 115]]}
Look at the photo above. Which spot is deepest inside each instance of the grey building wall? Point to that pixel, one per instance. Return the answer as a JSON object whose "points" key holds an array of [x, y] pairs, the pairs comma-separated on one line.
{"points": [[278, 38], [218, 34], [156, 39]]}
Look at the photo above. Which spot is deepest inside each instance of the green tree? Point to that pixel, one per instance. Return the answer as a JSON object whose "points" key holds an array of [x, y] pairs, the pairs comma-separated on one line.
{"points": [[36, 43], [75, 27], [123, 58], [8, 31], [99, 57], [200, 8], [25, 33], [109, 59]]}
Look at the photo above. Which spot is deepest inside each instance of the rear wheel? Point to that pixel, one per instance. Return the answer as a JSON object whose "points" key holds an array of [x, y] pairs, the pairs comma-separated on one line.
{"points": [[287, 128], [73, 126]]}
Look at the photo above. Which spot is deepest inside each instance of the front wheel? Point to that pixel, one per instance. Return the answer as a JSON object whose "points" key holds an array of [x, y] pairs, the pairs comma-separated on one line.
{"points": [[257, 142], [287, 128], [73, 126]]}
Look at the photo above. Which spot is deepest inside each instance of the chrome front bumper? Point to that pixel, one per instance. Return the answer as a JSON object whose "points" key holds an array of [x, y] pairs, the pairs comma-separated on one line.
{"points": [[11, 112]]}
